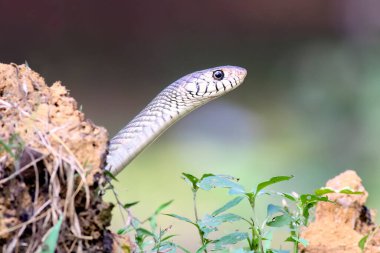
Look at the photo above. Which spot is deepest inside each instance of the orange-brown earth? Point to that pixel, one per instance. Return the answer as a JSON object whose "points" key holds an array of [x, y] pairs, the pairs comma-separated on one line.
{"points": [[339, 226], [51, 158]]}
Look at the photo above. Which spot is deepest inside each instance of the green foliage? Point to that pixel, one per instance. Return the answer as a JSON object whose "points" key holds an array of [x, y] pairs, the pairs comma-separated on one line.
{"points": [[293, 214], [365, 239], [210, 223], [228, 205], [147, 235], [180, 218], [271, 181], [6, 147], [222, 181], [160, 238], [362, 243], [325, 190], [110, 175], [229, 239], [13, 146], [129, 205], [51, 238]]}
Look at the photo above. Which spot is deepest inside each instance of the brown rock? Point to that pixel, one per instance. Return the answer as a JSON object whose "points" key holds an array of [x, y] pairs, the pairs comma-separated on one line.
{"points": [[339, 226]]}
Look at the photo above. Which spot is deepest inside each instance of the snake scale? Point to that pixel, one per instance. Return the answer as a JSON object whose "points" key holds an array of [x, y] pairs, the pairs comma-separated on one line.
{"points": [[170, 105]]}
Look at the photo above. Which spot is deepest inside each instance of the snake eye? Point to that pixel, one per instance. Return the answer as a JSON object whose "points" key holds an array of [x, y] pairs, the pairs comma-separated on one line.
{"points": [[218, 75]]}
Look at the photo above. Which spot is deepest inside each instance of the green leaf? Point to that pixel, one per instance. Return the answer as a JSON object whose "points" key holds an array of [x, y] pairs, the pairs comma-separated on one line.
{"points": [[122, 231], [326, 190], [167, 247], [308, 201], [7, 148], [153, 222], [162, 207], [349, 191], [179, 217], [311, 198], [241, 250], [297, 240], [192, 180], [51, 238], [210, 223], [201, 249], [143, 231], [167, 237], [232, 238], [221, 181], [129, 205], [209, 220], [280, 221], [362, 243], [272, 209], [206, 175], [228, 205], [323, 190], [135, 222], [271, 181], [110, 175], [289, 196], [267, 239], [184, 249]]}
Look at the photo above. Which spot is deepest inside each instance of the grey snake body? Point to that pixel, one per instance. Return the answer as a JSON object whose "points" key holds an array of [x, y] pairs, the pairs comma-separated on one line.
{"points": [[170, 105]]}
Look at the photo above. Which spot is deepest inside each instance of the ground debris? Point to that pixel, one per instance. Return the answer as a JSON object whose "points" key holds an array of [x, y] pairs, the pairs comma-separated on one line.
{"points": [[51, 160], [339, 226]]}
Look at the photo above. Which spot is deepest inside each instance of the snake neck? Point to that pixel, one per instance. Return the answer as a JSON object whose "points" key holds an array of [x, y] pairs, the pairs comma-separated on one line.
{"points": [[162, 112]]}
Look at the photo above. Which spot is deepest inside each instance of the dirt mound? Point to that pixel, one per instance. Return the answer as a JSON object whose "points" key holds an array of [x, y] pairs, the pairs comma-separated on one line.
{"points": [[339, 226], [50, 165]]}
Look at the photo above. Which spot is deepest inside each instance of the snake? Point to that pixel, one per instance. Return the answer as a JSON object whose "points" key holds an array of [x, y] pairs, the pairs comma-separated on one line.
{"points": [[171, 104]]}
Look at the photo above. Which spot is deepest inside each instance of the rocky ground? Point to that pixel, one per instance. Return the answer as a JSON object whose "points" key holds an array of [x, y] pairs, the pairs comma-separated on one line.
{"points": [[50, 165]]}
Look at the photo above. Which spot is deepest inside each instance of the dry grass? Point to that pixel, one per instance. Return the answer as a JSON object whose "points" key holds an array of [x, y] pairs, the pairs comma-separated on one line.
{"points": [[50, 167]]}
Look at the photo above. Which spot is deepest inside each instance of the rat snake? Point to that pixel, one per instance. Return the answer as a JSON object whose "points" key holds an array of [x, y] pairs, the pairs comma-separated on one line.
{"points": [[170, 105]]}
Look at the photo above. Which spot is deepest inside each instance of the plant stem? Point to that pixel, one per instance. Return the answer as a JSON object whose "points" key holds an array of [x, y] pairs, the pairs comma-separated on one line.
{"points": [[203, 240], [195, 205], [294, 234], [256, 232], [260, 241]]}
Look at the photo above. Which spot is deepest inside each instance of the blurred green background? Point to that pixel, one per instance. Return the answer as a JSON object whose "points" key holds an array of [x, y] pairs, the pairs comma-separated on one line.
{"points": [[309, 107]]}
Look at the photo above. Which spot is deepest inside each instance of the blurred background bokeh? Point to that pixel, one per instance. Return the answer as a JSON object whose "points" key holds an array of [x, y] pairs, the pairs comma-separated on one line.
{"points": [[309, 107]]}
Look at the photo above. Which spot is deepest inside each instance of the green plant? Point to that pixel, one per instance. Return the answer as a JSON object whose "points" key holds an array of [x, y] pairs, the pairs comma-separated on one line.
{"points": [[259, 236], [211, 222], [13, 146], [150, 237], [50, 239], [293, 214]]}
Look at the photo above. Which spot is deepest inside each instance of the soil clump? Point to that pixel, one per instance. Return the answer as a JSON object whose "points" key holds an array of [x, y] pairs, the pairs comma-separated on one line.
{"points": [[51, 160], [339, 226]]}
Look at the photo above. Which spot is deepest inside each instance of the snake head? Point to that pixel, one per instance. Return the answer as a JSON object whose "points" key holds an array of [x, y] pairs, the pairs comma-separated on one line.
{"points": [[213, 82]]}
